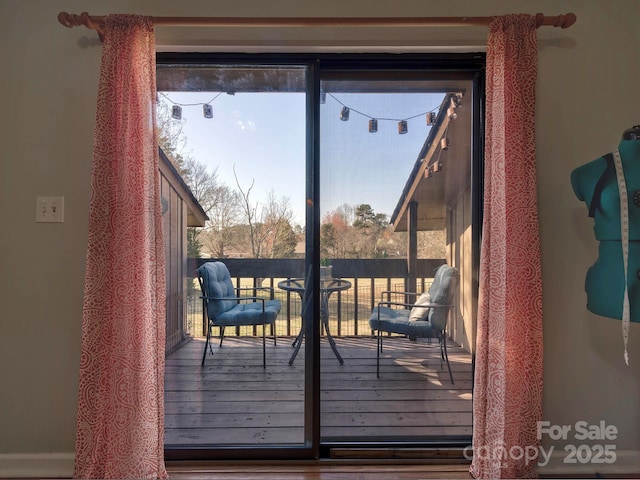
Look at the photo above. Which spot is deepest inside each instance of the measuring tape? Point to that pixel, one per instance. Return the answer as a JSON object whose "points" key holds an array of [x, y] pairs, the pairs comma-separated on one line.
{"points": [[624, 230]]}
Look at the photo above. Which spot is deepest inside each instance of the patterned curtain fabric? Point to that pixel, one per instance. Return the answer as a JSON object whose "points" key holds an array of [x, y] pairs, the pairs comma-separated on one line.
{"points": [[507, 400], [120, 430]]}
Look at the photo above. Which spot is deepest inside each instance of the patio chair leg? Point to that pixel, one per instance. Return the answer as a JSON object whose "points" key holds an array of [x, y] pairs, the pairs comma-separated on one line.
{"points": [[378, 349], [273, 332], [446, 356], [264, 347], [221, 335], [207, 344]]}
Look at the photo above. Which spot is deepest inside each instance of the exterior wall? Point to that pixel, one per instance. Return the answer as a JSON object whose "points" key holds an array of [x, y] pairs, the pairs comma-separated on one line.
{"points": [[462, 322], [174, 227]]}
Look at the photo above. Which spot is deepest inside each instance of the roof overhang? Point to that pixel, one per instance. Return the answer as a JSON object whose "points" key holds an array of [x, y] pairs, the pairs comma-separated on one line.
{"points": [[196, 216], [442, 172]]}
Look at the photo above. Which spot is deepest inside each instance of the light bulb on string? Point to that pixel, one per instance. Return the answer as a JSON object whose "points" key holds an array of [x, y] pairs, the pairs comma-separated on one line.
{"points": [[176, 109], [403, 127], [454, 104]]}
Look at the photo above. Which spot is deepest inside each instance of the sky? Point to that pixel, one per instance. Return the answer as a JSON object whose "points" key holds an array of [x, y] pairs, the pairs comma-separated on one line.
{"points": [[262, 136]]}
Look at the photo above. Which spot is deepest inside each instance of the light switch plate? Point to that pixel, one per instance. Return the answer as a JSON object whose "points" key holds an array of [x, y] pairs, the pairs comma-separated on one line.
{"points": [[50, 209]]}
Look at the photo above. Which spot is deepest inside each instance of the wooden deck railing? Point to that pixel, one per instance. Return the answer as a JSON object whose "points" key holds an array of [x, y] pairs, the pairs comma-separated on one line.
{"points": [[349, 310]]}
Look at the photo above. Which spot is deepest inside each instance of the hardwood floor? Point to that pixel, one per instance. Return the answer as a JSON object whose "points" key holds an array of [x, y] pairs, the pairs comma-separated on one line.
{"points": [[320, 472], [232, 400]]}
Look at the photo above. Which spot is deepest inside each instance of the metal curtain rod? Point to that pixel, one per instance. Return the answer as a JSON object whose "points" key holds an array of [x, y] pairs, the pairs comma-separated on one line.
{"points": [[97, 22]]}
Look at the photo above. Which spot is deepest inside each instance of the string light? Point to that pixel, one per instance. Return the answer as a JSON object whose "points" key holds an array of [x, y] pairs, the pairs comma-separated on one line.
{"points": [[403, 126], [433, 169], [176, 109], [436, 165], [454, 104]]}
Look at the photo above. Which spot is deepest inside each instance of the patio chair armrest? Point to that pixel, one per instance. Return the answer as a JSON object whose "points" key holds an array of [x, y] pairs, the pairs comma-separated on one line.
{"points": [[398, 304], [270, 289], [395, 292], [235, 299], [421, 305], [262, 299], [205, 297]]}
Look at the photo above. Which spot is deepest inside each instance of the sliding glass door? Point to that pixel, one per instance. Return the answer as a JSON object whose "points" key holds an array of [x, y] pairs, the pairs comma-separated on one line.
{"points": [[392, 145], [236, 136], [326, 180]]}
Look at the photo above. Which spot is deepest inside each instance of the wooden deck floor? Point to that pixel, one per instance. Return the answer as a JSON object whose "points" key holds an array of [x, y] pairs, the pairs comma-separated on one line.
{"points": [[232, 400]]}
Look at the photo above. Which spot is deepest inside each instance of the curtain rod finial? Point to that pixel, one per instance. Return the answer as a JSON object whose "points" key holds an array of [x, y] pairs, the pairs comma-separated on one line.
{"points": [[569, 19], [70, 20], [65, 19], [562, 21]]}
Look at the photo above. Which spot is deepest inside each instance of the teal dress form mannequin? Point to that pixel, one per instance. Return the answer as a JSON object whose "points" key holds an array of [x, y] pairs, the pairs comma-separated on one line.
{"points": [[604, 283]]}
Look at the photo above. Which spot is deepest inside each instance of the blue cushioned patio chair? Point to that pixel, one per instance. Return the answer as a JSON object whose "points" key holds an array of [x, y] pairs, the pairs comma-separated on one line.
{"points": [[425, 318], [224, 308]]}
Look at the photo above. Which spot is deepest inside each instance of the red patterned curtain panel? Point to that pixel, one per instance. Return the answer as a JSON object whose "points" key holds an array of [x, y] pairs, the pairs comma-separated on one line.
{"points": [[120, 430], [508, 378]]}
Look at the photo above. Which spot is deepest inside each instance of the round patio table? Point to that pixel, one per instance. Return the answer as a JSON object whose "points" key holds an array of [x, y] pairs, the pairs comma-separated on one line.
{"points": [[326, 289]]}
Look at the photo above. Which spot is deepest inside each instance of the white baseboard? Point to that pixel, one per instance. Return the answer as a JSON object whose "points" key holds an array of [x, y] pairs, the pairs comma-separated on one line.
{"points": [[36, 465], [60, 465], [626, 462]]}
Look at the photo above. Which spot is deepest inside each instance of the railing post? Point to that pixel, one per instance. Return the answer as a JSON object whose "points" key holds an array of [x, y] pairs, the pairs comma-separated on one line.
{"points": [[355, 306], [412, 247]]}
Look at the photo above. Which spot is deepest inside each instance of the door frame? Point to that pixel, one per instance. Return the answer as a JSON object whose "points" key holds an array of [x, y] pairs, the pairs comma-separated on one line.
{"points": [[447, 65]]}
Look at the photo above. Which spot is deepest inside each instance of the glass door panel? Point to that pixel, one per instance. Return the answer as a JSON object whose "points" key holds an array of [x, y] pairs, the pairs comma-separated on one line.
{"points": [[235, 136], [395, 183]]}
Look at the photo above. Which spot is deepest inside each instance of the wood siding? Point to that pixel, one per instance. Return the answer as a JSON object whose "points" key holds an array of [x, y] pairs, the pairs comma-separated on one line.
{"points": [[175, 242], [462, 323]]}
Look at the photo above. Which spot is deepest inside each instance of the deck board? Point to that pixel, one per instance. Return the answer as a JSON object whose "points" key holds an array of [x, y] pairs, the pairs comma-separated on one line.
{"points": [[232, 400]]}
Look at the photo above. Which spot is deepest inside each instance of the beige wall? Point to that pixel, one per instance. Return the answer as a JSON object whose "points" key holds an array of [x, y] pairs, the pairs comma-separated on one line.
{"points": [[587, 95]]}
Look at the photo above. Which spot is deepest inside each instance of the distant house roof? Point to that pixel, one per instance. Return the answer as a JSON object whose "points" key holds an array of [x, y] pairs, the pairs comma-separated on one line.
{"points": [[196, 216]]}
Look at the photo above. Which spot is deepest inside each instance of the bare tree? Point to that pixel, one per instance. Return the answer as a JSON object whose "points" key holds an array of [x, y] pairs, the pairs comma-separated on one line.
{"points": [[202, 183], [432, 244], [268, 223], [223, 217], [251, 215], [276, 221], [171, 136]]}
